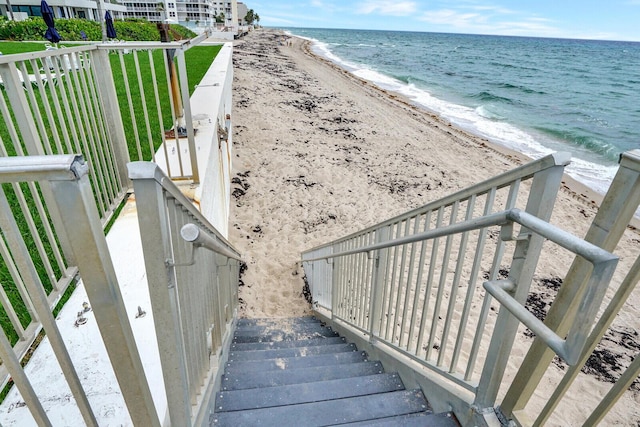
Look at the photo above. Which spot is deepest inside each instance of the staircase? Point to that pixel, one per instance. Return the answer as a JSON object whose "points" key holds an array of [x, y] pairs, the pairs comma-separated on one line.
{"points": [[299, 372]]}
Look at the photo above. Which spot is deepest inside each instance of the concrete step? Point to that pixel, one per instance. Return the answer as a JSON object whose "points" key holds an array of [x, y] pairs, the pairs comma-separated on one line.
{"points": [[329, 412], [244, 380], [286, 344], [307, 392], [290, 352]]}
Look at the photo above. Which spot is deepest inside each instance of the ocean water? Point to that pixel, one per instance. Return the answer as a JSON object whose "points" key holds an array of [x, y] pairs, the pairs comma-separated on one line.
{"points": [[533, 95]]}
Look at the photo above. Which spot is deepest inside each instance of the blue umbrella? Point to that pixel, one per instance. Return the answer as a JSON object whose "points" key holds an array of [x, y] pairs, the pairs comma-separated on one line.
{"points": [[108, 22], [47, 14]]}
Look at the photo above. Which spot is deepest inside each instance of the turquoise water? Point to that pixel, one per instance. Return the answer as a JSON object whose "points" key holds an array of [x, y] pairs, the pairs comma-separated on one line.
{"points": [[534, 95]]}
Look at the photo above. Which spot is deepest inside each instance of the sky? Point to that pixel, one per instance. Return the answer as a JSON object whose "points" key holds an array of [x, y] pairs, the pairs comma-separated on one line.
{"points": [[580, 19]]}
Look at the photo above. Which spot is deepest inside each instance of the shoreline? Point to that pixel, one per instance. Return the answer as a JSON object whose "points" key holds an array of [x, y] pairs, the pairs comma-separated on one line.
{"points": [[320, 154], [572, 186]]}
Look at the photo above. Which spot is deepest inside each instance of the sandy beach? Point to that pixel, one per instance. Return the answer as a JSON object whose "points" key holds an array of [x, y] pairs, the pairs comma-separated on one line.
{"points": [[320, 153]]}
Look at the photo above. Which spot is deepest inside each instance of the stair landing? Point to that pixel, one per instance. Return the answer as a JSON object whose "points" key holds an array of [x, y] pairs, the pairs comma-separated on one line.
{"points": [[299, 372]]}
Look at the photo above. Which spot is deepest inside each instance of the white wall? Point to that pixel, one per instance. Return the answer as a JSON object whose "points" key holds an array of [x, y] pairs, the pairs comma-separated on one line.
{"points": [[210, 103]]}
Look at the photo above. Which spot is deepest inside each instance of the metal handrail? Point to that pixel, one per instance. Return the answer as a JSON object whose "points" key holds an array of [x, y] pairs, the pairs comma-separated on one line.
{"points": [[194, 314], [604, 265], [194, 234], [149, 170], [521, 173], [500, 218]]}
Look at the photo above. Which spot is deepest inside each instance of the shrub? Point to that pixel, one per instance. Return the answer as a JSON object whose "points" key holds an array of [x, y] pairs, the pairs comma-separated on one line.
{"points": [[130, 29]]}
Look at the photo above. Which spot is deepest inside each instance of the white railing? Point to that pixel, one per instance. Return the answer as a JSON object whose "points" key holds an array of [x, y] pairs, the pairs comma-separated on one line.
{"points": [[63, 101], [407, 295], [193, 275], [615, 213], [77, 223]]}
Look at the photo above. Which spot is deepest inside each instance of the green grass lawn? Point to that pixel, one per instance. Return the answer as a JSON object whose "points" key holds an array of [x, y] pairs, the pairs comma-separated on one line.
{"points": [[198, 60]]}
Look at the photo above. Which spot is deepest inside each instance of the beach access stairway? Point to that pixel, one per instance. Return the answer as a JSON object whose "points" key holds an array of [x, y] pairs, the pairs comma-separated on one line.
{"points": [[298, 371]]}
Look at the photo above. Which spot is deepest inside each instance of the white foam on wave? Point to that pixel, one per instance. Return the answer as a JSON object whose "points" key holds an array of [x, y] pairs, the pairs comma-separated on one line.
{"points": [[480, 121]]}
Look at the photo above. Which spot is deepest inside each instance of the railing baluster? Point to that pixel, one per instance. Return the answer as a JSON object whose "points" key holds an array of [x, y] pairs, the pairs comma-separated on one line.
{"points": [[409, 286], [456, 282], [159, 111], [184, 92], [441, 284], [390, 314], [132, 114], [173, 113], [21, 381], [427, 296], [475, 270], [22, 290], [414, 312], [386, 284], [401, 284], [143, 101]]}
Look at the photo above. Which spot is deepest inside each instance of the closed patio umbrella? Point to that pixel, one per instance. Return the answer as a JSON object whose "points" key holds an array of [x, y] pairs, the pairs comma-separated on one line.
{"points": [[47, 14], [108, 22]]}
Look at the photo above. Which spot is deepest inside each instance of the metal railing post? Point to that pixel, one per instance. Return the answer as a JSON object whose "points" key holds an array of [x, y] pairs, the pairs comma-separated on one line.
{"points": [[82, 224], [616, 210], [542, 196], [379, 276], [111, 111], [186, 104], [162, 281]]}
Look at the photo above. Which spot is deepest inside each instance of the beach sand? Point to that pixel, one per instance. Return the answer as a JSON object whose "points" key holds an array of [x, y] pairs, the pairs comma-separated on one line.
{"points": [[320, 154]]}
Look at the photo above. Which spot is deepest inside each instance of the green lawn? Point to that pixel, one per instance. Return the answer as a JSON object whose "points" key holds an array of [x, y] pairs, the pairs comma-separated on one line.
{"points": [[198, 60]]}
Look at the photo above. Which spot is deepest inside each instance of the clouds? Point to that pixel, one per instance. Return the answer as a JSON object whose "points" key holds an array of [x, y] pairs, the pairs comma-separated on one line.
{"points": [[489, 19], [381, 7], [543, 18]]}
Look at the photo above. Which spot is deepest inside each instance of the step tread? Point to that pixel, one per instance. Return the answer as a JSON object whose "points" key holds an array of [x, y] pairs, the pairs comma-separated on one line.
{"points": [[295, 362], [277, 335], [426, 419], [280, 329], [271, 321], [290, 352], [307, 392], [245, 380], [329, 412], [287, 344]]}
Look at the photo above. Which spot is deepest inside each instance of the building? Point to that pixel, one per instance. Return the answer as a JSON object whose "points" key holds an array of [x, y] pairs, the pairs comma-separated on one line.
{"points": [[186, 12], [242, 12], [82, 9], [230, 11]]}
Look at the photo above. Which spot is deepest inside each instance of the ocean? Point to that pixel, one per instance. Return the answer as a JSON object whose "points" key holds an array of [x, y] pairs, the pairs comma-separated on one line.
{"points": [[533, 95]]}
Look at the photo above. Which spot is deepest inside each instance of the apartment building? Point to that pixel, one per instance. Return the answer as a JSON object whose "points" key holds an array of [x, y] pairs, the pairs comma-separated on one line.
{"points": [[82, 9]]}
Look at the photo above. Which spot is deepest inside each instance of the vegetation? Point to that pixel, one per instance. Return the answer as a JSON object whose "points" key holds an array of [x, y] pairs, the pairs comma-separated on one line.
{"points": [[198, 60], [251, 17], [71, 30]]}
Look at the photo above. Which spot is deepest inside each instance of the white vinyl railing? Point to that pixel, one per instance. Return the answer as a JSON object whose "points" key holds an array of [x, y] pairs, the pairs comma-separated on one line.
{"points": [[193, 275], [411, 284]]}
